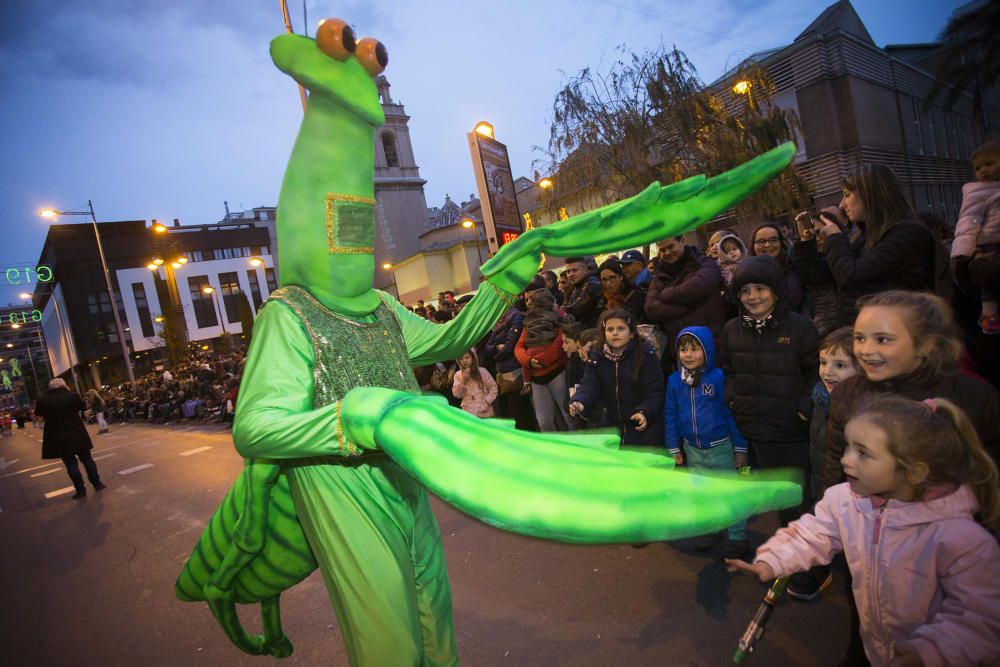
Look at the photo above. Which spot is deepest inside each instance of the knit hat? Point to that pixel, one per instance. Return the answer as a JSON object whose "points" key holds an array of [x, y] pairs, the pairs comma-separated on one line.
{"points": [[763, 270]]}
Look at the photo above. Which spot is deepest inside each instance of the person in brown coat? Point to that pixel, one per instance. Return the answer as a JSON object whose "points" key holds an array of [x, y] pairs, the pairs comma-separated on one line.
{"points": [[65, 437], [686, 291]]}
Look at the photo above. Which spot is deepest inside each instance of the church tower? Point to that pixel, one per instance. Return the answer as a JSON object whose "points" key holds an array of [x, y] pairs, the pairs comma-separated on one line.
{"points": [[400, 207]]}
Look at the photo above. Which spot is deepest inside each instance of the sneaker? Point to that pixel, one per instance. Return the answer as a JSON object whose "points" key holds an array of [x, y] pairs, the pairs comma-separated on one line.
{"points": [[990, 324], [100, 486], [736, 549], [805, 587], [706, 542], [80, 494]]}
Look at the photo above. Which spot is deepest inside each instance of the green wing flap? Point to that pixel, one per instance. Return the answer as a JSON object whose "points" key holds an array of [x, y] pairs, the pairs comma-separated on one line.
{"points": [[546, 485]]}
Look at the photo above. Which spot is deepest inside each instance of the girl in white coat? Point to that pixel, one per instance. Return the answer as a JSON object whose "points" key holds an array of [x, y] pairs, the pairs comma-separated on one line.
{"points": [[926, 574], [475, 386]]}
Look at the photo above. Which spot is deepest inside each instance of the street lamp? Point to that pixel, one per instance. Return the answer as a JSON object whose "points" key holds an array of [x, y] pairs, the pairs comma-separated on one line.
{"points": [[159, 228], [469, 223], [256, 261], [211, 290], [392, 272], [545, 183], [484, 128], [52, 213]]}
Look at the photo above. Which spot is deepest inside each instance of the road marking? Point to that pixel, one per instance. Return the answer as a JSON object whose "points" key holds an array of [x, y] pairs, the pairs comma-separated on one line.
{"points": [[47, 472], [11, 474], [4, 463], [194, 451], [129, 471], [59, 492], [98, 458]]}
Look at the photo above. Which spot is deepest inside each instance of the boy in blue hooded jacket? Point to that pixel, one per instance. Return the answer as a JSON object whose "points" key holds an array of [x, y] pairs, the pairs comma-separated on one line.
{"points": [[698, 419]]}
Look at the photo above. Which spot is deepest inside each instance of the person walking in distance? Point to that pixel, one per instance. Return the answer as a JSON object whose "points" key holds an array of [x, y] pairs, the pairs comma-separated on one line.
{"points": [[65, 437]]}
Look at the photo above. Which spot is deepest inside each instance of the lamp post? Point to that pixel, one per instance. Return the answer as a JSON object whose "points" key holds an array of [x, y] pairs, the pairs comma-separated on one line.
{"points": [[211, 290], [392, 272], [51, 213], [469, 223]]}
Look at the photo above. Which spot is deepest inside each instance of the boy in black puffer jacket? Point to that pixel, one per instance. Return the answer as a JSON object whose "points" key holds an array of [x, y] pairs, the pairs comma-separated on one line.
{"points": [[770, 359]]}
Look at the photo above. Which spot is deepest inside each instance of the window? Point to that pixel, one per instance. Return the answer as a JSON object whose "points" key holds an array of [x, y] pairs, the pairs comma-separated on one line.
{"points": [[254, 288], [229, 285], [204, 304], [916, 120], [389, 144], [142, 305], [272, 281]]}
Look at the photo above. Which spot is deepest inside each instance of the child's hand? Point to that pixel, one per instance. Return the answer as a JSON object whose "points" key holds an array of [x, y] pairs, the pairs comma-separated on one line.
{"points": [[572, 391], [575, 409], [535, 363], [679, 459], [640, 421], [740, 460], [760, 568]]}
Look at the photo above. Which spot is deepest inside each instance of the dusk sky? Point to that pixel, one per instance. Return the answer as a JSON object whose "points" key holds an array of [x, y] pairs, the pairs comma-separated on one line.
{"points": [[165, 109]]}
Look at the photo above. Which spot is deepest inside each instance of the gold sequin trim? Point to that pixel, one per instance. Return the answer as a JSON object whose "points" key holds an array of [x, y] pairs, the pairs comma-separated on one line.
{"points": [[331, 213], [508, 300]]}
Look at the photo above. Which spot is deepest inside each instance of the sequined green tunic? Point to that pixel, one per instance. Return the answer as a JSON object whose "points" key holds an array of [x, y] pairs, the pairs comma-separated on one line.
{"points": [[369, 524]]}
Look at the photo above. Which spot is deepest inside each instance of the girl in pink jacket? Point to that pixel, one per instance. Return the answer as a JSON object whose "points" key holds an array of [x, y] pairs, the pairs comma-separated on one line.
{"points": [[926, 574], [475, 386]]}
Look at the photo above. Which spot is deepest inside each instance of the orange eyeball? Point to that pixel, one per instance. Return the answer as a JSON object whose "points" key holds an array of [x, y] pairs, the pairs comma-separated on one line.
{"points": [[336, 39], [372, 55]]}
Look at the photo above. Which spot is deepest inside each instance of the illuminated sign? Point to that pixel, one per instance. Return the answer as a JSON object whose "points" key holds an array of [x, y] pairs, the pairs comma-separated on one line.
{"points": [[18, 276], [491, 166], [22, 316]]}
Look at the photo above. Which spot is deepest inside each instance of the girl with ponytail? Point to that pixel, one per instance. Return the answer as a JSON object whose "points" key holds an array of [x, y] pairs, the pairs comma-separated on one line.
{"points": [[912, 522]]}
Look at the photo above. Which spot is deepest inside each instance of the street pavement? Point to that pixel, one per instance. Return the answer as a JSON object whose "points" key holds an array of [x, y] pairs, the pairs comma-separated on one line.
{"points": [[90, 582]]}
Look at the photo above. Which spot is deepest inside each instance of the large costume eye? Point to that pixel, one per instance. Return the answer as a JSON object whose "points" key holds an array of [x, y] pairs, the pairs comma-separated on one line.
{"points": [[335, 38], [372, 55]]}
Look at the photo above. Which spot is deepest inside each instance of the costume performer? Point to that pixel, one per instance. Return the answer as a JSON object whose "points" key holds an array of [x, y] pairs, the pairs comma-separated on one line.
{"points": [[339, 444]]}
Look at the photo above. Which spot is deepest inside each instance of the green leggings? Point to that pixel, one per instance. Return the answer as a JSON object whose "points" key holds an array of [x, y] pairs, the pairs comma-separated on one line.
{"points": [[376, 540]]}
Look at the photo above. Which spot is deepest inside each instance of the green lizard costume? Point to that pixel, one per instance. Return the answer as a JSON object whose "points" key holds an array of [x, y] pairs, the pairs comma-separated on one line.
{"points": [[340, 446]]}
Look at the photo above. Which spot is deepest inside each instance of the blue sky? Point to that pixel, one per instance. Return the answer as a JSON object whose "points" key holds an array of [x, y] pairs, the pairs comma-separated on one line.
{"points": [[166, 109]]}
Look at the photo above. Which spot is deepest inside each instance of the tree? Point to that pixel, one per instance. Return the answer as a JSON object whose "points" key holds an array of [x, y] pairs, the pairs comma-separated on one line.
{"points": [[172, 336], [651, 118], [970, 56]]}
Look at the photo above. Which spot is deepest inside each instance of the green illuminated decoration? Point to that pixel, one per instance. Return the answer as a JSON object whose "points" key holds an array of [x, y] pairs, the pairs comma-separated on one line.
{"points": [[339, 445], [23, 316], [5, 378], [19, 276], [15, 368]]}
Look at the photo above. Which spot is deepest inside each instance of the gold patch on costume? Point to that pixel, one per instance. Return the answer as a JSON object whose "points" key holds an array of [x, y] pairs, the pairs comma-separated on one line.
{"points": [[350, 224]]}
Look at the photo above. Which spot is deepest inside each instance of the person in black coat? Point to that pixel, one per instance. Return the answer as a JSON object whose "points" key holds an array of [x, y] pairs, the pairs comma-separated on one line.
{"points": [[771, 362], [65, 437], [624, 373], [895, 251]]}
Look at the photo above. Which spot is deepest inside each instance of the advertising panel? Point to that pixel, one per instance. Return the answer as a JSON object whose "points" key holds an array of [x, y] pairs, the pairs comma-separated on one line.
{"points": [[501, 217]]}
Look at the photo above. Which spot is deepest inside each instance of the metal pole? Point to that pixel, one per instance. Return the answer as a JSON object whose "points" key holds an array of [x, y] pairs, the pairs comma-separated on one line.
{"points": [[65, 341], [288, 29], [38, 383], [114, 304]]}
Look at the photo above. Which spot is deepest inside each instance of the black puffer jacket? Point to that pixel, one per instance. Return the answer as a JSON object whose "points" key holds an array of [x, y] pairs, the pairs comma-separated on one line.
{"points": [[770, 372], [611, 382], [506, 332], [980, 401], [902, 259], [827, 307]]}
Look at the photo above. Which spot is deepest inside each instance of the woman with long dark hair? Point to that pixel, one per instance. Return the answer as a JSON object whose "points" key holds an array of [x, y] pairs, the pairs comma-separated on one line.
{"points": [[894, 250]]}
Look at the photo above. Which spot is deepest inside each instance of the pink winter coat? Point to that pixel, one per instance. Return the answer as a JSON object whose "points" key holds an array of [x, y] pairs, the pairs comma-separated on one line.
{"points": [[475, 401], [926, 575], [979, 219]]}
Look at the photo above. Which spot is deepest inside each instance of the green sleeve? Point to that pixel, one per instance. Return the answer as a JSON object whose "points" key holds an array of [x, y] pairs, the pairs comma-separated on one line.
{"points": [[274, 413], [428, 343]]}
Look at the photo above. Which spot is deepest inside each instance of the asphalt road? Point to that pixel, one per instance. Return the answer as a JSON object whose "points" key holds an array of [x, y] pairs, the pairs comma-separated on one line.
{"points": [[91, 582]]}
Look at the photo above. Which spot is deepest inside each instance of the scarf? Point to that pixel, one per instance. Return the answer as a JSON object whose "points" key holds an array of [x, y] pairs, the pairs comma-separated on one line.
{"points": [[612, 355], [757, 326], [690, 377], [821, 397]]}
